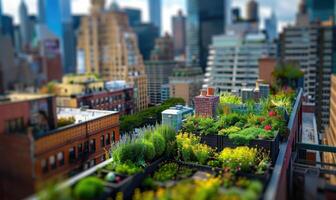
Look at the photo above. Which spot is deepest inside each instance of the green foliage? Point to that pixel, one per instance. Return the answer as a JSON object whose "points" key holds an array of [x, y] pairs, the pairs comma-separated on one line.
{"points": [[238, 159], [149, 150], [207, 126], [228, 98], [166, 172], [50, 192], [232, 119], [65, 121], [191, 124], [128, 168], [159, 144], [202, 153], [246, 135], [130, 152], [229, 131], [89, 188], [288, 75], [148, 116], [167, 132]]}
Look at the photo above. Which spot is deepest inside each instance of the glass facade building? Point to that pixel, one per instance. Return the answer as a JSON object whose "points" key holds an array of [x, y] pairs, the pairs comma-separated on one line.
{"points": [[205, 19], [155, 10], [321, 10]]}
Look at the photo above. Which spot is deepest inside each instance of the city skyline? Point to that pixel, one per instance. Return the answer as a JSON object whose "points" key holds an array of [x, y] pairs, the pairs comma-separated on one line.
{"points": [[170, 9]]}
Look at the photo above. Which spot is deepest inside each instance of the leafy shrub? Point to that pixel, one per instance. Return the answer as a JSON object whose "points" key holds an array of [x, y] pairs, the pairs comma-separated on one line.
{"points": [[159, 143], [185, 142], [190, 125], [202, 153], [133, 152], [128, 168], [65, 121], [167, 132], [229, 131], [149, 150], [246, 135], [166, 172], [238, 159], [228, 98], [208, 126], [89, 188], [231, 120]]}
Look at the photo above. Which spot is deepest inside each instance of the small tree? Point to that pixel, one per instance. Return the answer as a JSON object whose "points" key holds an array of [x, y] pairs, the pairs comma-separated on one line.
{"points": [[288, 75]]}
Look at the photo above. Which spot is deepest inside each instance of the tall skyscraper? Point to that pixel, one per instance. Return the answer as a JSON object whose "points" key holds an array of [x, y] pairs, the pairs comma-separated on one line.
{"points": [[179, 33], [155, 9], [236, 16], [134, 16], [252, 11], [223, 73], [271, 27], [146, 33], [25, 26], [0, 13], [321, 10], [204, 20], [56, 14], [115, 56]]}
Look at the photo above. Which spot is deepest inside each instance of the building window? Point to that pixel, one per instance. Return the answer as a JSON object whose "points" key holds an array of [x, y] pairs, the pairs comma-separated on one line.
{"points": [[108, 141], [86, 147], [80, 151], [52, 162], [44, 166], [113, 137], [72, 154], [60, 158], [14, 125], [102, 141], [92, 163], [92, 146]]}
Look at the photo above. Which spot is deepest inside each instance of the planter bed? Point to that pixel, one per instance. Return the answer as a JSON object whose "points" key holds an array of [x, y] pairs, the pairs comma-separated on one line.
{"points": [[219, 142]]}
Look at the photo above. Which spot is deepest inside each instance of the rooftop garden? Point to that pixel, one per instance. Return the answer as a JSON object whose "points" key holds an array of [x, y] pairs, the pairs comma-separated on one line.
{"points": [[227, 157]]}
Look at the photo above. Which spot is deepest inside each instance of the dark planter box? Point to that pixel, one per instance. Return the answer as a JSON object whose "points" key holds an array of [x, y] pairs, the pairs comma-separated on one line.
{"points": [[210, 140], [129, 184], [270, 145]]}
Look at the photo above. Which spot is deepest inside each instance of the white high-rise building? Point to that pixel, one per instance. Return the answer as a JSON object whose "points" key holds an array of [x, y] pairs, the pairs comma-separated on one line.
{"points": [[233, 61]]}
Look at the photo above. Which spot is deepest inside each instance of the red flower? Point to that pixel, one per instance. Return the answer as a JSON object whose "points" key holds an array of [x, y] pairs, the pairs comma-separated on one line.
{"points": [[268, 127], [272, 114]]}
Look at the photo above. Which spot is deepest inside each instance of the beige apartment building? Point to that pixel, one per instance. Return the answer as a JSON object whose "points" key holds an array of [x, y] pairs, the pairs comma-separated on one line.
{"points": [[110, 49]]}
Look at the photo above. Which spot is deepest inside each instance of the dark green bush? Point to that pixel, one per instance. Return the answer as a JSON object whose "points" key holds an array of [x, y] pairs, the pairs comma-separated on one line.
{"points": [[89, 188], [159, 144], [149, 150]]}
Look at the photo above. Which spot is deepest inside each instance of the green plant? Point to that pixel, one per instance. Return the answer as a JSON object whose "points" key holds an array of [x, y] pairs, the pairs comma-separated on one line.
{"points": [[166, 172], [202, 153], [89, 188], [246, 135], [231, 119], [229, 131], [185, 143], [127, 168], [190, 125], [133, 152], [149, 150], [65, 121], [238, 159], [159, 144], [207, 126], [167, 132], [184, 172], [228, 98]]}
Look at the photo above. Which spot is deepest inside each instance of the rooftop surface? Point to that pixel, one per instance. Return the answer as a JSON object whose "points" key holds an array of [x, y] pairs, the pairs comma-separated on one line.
{"points": [[176, 110], [82, 115], [18, 97]]}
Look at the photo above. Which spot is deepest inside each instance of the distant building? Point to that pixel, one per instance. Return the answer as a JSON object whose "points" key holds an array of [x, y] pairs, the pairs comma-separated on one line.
{"points": [[185, 82], [321, 10], [146, 33], [165, 92], [267, 66], [158, 73], [8, 70], [205, 19], [26, 28], [155, 12], [236, 15], [42, 151], [179, 33], [134, 16], [163, 49], [8, 27], [206, 103], [93, 93], [271, 27], [116, 56], [233, 61], [311, 46], [174, 116], [264, 90], [56, 15], [252, 11]]}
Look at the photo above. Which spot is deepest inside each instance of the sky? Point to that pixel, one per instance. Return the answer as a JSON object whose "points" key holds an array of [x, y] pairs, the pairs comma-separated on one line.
{"points": [[285, 9]]}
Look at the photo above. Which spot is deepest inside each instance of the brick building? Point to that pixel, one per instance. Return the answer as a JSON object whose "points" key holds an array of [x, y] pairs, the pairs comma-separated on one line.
{"points": [[35, 151], [206, 103]]}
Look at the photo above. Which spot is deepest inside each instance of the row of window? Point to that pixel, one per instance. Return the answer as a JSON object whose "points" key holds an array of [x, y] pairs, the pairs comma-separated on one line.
{"points": [[88, 147], [14, 125]]}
